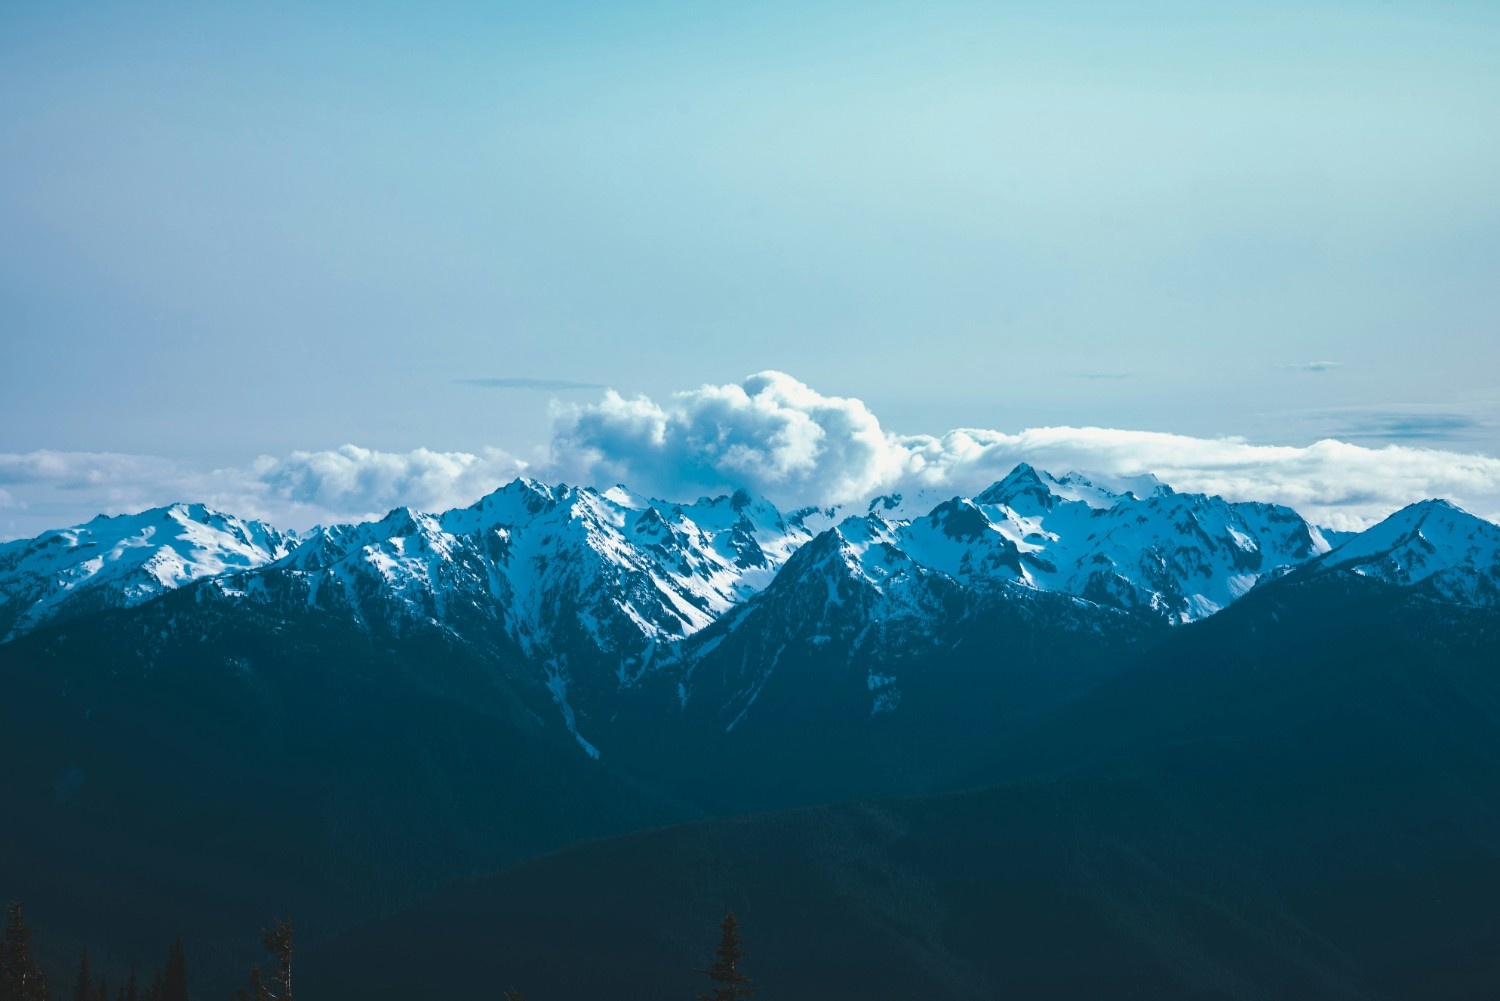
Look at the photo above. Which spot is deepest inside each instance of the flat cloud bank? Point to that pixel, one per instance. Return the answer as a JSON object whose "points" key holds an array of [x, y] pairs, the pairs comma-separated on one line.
{"points": [[769, 433]]}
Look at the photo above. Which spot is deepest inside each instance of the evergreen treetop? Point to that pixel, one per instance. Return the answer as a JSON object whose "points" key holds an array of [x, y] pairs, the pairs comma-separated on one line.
{"points": [[732, 982], [278, 942], [258, 989], [83, 986], [174, 985], [20, 978]]}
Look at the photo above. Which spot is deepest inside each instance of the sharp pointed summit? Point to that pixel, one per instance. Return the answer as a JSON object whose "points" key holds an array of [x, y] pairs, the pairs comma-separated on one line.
{"points": [[1433, 544]]}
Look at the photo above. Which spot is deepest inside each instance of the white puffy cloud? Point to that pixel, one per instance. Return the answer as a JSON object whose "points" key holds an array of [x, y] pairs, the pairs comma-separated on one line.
{"points": [[771, 434], [1332, 482], [781, 438]]}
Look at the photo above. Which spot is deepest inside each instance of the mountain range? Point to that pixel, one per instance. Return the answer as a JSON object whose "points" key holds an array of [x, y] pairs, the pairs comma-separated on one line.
{"points": [[221, 720]]}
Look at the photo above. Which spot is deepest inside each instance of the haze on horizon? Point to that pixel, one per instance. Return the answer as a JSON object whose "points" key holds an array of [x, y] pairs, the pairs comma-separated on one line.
{"points": [[273, 231]]}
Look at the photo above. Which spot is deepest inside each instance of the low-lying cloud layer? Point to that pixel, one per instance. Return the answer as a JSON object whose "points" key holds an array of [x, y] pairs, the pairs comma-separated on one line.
{"points": [[46, 489], [771, 434], [781, 438], [354, 479]]}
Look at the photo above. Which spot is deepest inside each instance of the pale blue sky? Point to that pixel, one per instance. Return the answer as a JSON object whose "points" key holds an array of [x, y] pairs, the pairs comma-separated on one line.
{"points": [[229, 230]]}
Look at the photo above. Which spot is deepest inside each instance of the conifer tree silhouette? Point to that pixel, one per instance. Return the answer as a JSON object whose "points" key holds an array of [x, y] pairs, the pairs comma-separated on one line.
{"points": [[174, 985], [732, 982], [83, 986], [278, 941], [20, 978]]}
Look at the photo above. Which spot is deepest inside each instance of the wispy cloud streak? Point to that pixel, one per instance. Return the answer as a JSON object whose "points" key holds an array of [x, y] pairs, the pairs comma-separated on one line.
{"points": [[523, 382]]}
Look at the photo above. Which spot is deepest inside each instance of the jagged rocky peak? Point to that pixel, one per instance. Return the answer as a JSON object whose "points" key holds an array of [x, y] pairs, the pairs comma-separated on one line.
{"points": [[1434, 543], [1022, 482], [1031, 491], [726, 509], [522, 494], [861, 530], [960, 520], [403, 521], [320, 548], [842, 553], [1430, 525], [650, 522], [183, 511], [666, 568]]}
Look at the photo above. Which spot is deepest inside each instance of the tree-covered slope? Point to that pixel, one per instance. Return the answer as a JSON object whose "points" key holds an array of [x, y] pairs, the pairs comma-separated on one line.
{"points": [[1297, 798]]}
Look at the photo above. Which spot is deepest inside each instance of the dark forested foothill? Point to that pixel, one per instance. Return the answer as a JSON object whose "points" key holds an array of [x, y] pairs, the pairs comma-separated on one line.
{"points": [[21, 979]]}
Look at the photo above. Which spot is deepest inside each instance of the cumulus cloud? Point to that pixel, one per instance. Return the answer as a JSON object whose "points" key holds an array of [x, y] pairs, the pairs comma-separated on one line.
{"points": [[781, 438], [769, 433]]}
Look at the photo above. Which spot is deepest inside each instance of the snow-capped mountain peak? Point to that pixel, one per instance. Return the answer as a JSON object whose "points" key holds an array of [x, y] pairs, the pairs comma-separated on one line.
{"points": [[1176, 556], [592, 589], [1433, 543], [1022, 489], [123, 560], [611, 574], [600, 573]]}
